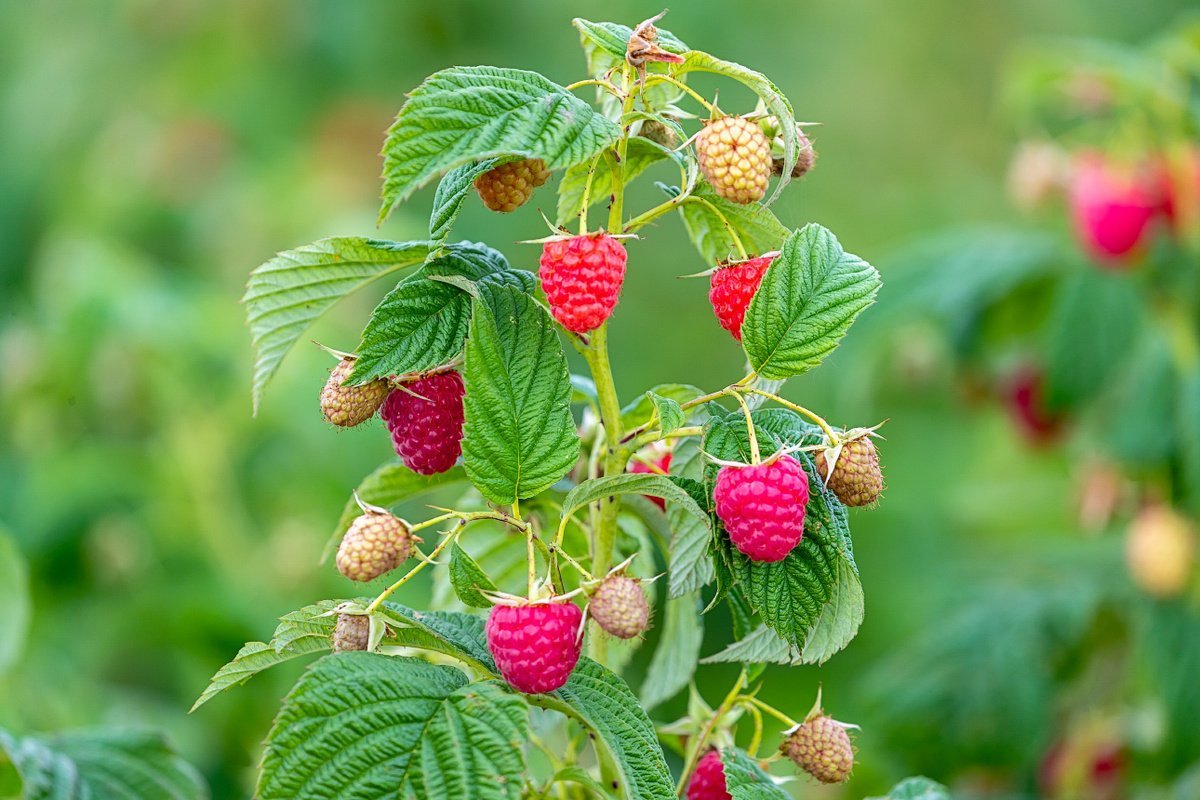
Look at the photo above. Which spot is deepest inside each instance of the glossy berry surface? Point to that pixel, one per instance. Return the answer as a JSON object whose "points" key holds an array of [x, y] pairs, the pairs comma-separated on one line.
{"points": [[762, 507], [582, 278], [1112, 208], [731, 290], [535, 646], [735, 158], [509, 186], [425, 418], [708, 780]]}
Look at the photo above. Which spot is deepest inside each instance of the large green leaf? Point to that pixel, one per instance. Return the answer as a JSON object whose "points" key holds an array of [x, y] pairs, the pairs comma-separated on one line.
{"points": [[422, 323], [520, 437], [298, 633], [918, 788], [14, 602], [361, 725], [624, 736], [468, 578], [288, 293], [709, 217], [807, 300], [464, 114], [745, 780], [452, 191], [108, 764], [674, 662]]}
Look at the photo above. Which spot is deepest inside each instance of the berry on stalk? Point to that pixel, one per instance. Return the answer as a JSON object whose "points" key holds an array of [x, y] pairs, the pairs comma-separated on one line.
{"points": [[582, 277], [352, 632], [509, 186], [1112, 207], [857, 478], [425, 418], [735, 158], [762, 506], [535, 645], [347, 406], [376, 543], [619, 607], [708, 779], [732, 287], [1160, 550], [821, 747]]}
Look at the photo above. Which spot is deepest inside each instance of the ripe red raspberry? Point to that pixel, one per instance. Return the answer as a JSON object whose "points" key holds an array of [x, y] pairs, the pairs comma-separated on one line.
{"points": [[352, 632], [425, 418], [509, 186], [1112, 207], [821, 747], [708, 780], [857, 478], [735, 157], [347, 406], [376, 542], [536, 646], [762, 507], [664, 466], [582, 278], [733, 288], [619, 607]]}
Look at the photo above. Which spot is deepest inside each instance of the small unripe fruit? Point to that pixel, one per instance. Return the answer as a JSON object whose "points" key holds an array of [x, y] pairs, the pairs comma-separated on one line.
{"points": [[821, 747], [1161, 551], [509, 186], [656, 131], [735, 157], [806, 158], [857, 478], [347, 406], [708, 779], [619, 607], [376, 543], [352, 632]]}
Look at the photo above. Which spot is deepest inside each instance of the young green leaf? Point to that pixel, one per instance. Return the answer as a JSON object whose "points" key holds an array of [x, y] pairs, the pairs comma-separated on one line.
{"points": [[745, 780], [452, 191], [14, 602], [918, 788], [808, 298], [674, 661], [638, 412], [464, 114], [368, 725], [520, 437], [708, 218], [670, 416], [467, 578], [761, 646], [110, 764], [288, 293], [299, 633], [422, 323]]}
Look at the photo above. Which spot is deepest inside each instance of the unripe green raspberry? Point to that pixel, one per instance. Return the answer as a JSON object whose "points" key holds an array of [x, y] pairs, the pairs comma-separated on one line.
{"points": [[619, 607], [509, 186], [352, 632], [347, 406], [376, 543], [735, 157], [857, 478], [821, 747]]}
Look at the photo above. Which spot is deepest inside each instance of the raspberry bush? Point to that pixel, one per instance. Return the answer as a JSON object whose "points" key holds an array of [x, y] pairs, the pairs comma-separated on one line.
{"points": [[553, 469]]}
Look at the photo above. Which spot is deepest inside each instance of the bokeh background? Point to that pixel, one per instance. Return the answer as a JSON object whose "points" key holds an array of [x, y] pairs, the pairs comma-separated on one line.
{"points": [[154, 152]]}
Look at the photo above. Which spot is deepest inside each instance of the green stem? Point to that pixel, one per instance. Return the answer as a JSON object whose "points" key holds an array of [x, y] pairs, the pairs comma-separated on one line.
{"points": [[698, 745], [617, 209], [737, 240], [660, 78], [437, 551], [829, 432]]}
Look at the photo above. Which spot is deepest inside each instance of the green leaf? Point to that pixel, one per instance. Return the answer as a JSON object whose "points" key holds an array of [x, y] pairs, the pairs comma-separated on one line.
{"points": [[362, 725], [808, 298], [689, 566], [759, 230], [919, 788], [596, 489], [674, 662], [604, 46], [298, 633], [580, 776], [389, 484], [422, 323], [638, 412], [463, 114], [288, 293], [1189, 438], [670, 416], [467, 578], [520, 437], [452, 191], [642, 153], [594, 696], [776, 103], [745, 780], [14, 602], [761, 646], [109, 764]]}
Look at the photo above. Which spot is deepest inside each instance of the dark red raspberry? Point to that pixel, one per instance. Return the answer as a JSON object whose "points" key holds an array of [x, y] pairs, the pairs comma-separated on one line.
{"points": [[708, 780], [664, 466], [536, 646], [733, 288], [582, 278], [762, 507], [425, 418]]}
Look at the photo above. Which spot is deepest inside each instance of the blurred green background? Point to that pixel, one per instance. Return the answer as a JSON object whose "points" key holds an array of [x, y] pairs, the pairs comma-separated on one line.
{"points": [[154, 152]]}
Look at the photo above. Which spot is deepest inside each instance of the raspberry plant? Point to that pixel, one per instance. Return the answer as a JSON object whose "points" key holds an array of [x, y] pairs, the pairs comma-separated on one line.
{"points": [[553, 509]]}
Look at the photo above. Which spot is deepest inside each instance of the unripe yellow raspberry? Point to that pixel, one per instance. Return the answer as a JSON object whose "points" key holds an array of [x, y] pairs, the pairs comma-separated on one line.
{"points": [[376, 542], [509, 186], [347, 406], [735, 157]]}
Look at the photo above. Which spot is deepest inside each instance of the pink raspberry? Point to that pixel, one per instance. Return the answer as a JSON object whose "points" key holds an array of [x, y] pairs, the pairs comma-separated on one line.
{"points": [[664, 466], [535, 646], [708, 780], [1113, 208], [425, 418], [582, 279], [762, 507], [733, 288]]}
